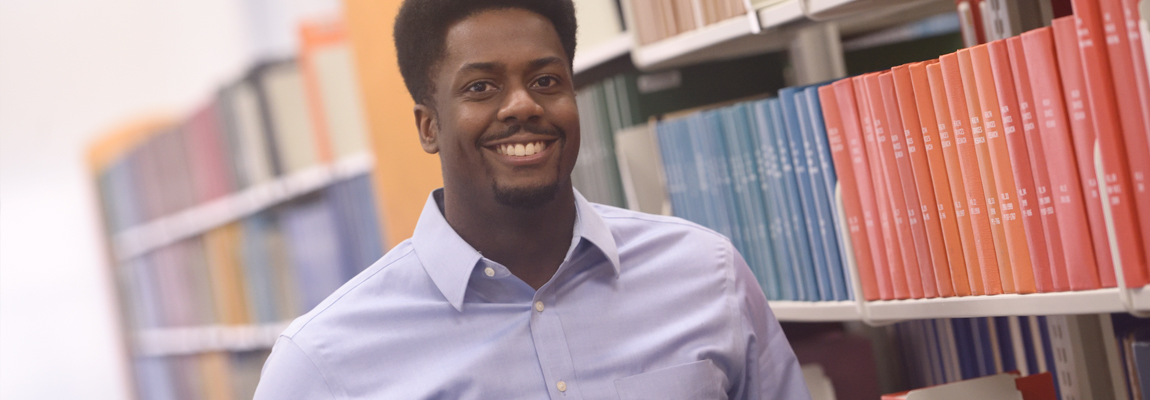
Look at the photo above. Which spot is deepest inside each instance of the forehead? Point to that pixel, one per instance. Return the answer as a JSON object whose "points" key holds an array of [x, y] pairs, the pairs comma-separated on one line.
{"points": [[505, 36]]}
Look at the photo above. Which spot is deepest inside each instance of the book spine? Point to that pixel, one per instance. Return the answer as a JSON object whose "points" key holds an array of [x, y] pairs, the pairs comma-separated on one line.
{"points": [[999, 119], [1134, 34], [894, 184], [891, 234], [852, 130], [825, 189], [898, 146], [840, 155], [916, 152], [1079, 119], [932, 145], [1050, 273], [954, 174], [1120, 193], [972, 177]]}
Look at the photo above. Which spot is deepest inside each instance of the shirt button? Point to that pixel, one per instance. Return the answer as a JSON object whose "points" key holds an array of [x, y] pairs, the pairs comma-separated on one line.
{"points": [[539, 306], [489, 271], [562, 386]]}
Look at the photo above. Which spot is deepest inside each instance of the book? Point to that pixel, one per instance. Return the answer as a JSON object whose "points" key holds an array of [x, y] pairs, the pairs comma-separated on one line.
{"points": [[916, 152], [962, 126], [1021, 271], [1081, 129], [1050, 266], [1117, 167], [933, 146], [841, 153], [853, 131]]}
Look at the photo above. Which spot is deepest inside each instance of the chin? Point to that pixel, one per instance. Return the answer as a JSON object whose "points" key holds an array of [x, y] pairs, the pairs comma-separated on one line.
{"points": [[526, 197]]}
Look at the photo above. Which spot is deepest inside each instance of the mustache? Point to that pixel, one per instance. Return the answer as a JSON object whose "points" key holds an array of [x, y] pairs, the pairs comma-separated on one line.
{"points": [[532, 128]]}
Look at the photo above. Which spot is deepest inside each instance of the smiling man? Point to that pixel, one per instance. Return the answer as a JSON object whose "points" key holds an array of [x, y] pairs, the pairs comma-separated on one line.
{"points": [[513, 286]]}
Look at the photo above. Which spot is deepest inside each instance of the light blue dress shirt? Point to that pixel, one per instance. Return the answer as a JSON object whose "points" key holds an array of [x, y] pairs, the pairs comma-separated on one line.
{"points": [[643, 307]]}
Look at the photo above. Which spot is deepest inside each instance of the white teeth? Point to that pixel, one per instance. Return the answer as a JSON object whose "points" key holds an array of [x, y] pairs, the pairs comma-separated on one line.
{"points": [[521, 150]]}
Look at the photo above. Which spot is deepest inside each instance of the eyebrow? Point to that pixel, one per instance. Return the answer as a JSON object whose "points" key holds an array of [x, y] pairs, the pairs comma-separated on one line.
{"points": [[543, 62], [493, 66]]}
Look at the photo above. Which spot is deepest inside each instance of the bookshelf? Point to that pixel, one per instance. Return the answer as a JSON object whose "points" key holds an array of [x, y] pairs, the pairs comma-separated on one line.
{"points": [[138, 240]]}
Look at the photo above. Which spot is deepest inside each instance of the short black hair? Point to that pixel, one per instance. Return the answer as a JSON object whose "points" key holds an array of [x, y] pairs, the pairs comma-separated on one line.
{"points": [[421, 32]]}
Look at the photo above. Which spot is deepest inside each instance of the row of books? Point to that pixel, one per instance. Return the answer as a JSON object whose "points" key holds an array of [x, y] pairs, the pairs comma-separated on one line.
{"points": [[760, 173], [282, 117], [655, 20], [215, 375], [605, 108], [270, 267], [975, 173], [1089, 356]]}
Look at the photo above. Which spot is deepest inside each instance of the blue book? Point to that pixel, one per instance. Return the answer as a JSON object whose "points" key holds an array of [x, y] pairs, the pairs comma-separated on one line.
{"points": [[806, 214], [788, 205], [823, 225], [744, 220], [1005, 343], [755, 204], [771, 185], [310, 234], [1030, 357], [257, 269], [1048, 351], [823, 181], [966, 352], [676, 187], [720, 172]]}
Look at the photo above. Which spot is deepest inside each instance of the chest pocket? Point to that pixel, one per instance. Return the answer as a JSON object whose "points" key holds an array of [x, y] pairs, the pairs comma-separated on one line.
{"points": [[699, 380]]}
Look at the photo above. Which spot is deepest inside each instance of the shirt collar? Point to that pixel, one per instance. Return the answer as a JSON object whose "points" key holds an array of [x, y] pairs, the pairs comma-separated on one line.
{"points": [[449, 260]]}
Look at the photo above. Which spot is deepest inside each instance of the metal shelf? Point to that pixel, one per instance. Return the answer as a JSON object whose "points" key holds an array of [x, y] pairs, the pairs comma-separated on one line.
{"points": [[203, 339], [138, 240]]}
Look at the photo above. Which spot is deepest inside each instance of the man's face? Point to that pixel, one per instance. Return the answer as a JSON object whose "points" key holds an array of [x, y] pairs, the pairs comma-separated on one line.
{"points": [[506, 124]]}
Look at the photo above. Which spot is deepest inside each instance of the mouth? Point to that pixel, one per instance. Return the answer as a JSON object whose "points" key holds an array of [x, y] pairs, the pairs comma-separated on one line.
{"points": [[523, 152]]}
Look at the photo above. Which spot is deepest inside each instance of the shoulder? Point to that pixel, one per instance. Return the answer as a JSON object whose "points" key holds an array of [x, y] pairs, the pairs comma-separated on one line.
{"points": [[396, 274], [632, 225]]}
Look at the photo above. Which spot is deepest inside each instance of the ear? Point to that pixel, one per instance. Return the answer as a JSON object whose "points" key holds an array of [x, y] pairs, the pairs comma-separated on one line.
{"points": [[425, 120]]}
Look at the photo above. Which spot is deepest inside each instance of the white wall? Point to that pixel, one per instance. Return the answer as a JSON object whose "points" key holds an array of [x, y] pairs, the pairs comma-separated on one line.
{"points": [[70, 69]]}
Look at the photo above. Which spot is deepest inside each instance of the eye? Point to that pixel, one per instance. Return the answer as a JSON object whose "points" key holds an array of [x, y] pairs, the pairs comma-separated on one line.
{"points": [[546, 81], [480, 87]]}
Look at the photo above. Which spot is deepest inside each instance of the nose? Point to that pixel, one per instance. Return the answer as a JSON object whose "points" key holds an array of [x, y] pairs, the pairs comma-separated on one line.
{"points": [[519, 106]]}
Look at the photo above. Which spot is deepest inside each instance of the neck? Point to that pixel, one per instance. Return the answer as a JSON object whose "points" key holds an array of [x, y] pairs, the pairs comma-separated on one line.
{"points": [[530, 243]]}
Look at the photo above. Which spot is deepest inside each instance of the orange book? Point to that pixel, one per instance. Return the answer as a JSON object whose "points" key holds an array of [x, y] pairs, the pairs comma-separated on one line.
{"points": [[941, 178], [916, 151], [1054, 263], [994, 124], [909, 187], [1112, 143], [314, 35], [894, 183], [971, 175], [892, 235], [852, 206], [1078, 119], [1132, 122], [852, 133], [986, 170]]}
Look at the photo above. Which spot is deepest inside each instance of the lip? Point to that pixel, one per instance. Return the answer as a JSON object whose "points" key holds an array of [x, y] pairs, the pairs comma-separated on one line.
{"points": [[519, 161]]}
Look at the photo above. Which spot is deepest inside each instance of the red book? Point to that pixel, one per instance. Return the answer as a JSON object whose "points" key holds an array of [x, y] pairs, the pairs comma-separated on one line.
{"points": [[1053, 268], [916, 152], [1142, 77], [971, 174], [1082, 131], [940, 179], [895, 193], [986, 169], [840, 155], [853, 133], [1133, 122], [954, 176], [882, 195], [1011, 164], [1119, 192], [897, 143]]}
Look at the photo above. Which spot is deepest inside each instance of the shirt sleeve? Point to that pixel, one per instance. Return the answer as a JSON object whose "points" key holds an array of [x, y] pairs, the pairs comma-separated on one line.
{"points": [[290, 374], [772, 371]]}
